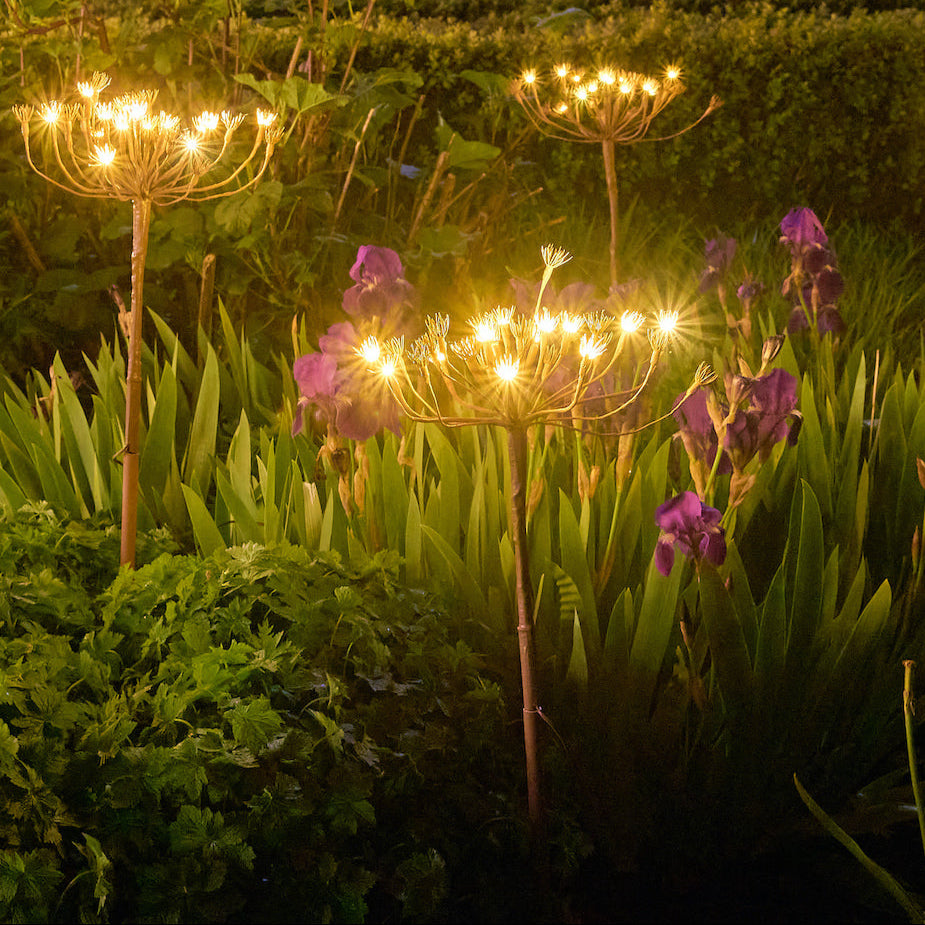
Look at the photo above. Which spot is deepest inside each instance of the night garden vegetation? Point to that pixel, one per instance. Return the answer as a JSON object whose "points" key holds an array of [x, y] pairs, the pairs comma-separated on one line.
{"points": [[304, 702]]}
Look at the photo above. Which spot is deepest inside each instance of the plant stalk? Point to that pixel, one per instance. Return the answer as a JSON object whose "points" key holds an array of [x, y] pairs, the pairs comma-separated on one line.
{"points": [[141, 223], [908, 713], [608, 148], [517, 449]]}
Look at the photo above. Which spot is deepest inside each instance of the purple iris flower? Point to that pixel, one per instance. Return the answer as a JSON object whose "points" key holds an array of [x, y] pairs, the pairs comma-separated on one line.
{"points": [[801, 228], [690, 527], [719, 253], [381, 289], [345, 395], [697, 432], [770, 417]]}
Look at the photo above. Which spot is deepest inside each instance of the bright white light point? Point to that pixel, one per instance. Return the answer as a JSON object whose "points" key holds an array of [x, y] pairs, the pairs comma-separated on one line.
{"points": [[86, 89], [582, 93], [206, 122], [103, 112], [561, 108], [103, 155], [191, 144], [672, 73], [485, 332], [369, 350], [545, 322], [571, 324], [529, 77], [607, 77], [506, 369], [387, 368], [51, 112], [630, 321], [590, 348], [668, 321], [136, 110], [650, 87], [265, 118], [562, 70]]}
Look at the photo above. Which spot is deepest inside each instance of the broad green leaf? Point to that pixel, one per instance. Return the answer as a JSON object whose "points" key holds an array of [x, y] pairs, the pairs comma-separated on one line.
{"points": [[577, 672], [200, 451], [467, 585], [208, 537], [811, 449], [78, 436], [160, 441], [727, 648], [575, 563], [657, 620]]}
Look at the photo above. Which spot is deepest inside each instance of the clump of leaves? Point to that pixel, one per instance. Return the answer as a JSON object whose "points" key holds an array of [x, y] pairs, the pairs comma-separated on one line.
{"points": [[224, 738]]}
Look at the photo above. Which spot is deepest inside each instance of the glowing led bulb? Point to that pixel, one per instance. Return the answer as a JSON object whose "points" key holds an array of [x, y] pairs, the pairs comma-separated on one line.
{"points": [[630, 321], [370, 350], [506, 368]]}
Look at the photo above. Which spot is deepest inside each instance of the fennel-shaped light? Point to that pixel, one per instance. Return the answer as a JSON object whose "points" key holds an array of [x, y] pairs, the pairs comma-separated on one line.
{"points": [[607, 106], [125, 149], [516, 371]]}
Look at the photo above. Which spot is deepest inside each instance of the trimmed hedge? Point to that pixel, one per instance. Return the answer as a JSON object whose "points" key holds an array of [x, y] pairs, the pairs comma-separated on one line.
{"points": [[818, 108]]}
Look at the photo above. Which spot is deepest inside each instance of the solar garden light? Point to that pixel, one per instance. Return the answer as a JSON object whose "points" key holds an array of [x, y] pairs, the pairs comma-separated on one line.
{"points": [[608, 107], [125, 149], [516, 371]]}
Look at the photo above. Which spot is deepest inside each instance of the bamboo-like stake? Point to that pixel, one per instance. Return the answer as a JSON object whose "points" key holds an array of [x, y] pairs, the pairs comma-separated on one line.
{"points": [[141, 223], [517, 451]]}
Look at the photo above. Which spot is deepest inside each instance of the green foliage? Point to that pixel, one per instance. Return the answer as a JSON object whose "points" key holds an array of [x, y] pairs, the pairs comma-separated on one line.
{"points": [[225, 737]]}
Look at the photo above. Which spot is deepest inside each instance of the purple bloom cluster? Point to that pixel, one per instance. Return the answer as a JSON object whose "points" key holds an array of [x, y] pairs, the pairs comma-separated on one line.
{"points": [[690, 527], [766, 413], [814, 283], [335, 383]]}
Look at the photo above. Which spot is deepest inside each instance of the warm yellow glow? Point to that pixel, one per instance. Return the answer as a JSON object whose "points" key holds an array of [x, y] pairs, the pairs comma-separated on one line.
{"points": [[388, 368], [650, 86], [103, 155], [370, 350], [571, 324], [631, 321], [562, 108], [265, 118], [86, 89], [553, 256], [672, 72], [581, 94], [206, 122], [51, 112], [667, 322], [168, 122], [506, 368], [104, 112], [529, 77], [592, 87], [607, 77], [562, 70], [191, 144], [626, 85], [591, 348], [544, 322], [485, 330], [136, 109]]}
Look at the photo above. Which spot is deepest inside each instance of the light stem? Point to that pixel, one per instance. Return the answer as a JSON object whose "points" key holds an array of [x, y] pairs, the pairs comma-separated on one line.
{"points": [[141, 222], [608, 147], [517, 451]]}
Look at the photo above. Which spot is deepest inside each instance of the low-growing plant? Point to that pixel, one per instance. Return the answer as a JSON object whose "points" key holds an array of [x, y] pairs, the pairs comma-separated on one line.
{"points": [[260, 734]]}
